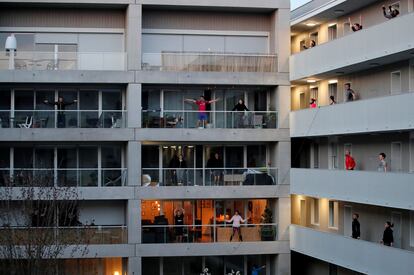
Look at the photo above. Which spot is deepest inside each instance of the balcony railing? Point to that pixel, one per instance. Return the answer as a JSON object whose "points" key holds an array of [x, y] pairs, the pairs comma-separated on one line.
{"points": [[62, 119], [65, 61], [216, 119], [63, 235], [208, 176], [209, 62], [207, 233], [63, 177]]}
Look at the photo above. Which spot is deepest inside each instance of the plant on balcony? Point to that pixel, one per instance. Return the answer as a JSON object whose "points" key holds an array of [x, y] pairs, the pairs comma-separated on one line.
{"points": [[267, 231], [32, 213]]}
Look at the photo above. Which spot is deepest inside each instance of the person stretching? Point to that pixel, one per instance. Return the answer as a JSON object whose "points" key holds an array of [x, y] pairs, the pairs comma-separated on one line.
{"points": [[236, 219]]}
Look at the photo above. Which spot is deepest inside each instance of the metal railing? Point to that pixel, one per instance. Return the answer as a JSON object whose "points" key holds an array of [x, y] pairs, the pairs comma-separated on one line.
{"points": [[209, 62], [208, 119], [208, 176], [207, 233], [88, 234], [63, 177], [62, 119], [34, 60]]}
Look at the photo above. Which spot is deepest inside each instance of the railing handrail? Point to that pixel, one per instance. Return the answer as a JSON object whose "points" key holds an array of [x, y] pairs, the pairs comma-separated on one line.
{"points": [[210, 168], [206, 111], [357, 171], [224, 224], [56, 110], [65, 169], [211, 54], [66, 227]]}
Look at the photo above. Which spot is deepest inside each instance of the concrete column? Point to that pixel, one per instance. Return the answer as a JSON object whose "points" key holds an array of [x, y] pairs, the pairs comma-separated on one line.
{"points": [[134, 162], [134, 105], [283, 161], [134, 221], [281, 101], [280, 38], [283, 218], [133, 30], [282, 264], [134, 265]]}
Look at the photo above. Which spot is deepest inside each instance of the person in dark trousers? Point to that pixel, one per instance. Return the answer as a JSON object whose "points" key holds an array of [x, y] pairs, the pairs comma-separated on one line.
{"points": [[236, 221], [181, 171], [61, 107], [392, 12], [238, 110], [216, 162], [388, 237], [174, 163], [179, 222], [356, 227], [349, 94]]}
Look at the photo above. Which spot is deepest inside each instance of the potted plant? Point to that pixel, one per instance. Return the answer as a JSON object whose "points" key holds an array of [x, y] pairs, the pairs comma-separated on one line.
{"points": [[267, 230]]}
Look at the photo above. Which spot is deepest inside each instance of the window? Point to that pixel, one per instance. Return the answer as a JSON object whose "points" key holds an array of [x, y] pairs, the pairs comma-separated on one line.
{"points": [[396, 82], [314, 92], [314, 37], [412, 228], [333, 214], [332, 32], [333, 156], [333, 90], [315, 155], [347, 28], [315, 211], [302, 101]]}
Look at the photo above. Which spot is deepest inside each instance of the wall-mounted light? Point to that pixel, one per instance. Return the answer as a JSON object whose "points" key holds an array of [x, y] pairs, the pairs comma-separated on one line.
{"points": [[116, 272], [311, 24], [311, 80], [333, 81], [332, 24], [313, 87]]}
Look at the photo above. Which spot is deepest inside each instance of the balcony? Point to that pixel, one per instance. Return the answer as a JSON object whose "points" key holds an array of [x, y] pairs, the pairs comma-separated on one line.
{"points": [[208, 233], [384, 43], [62, 119], [63, 235], [220, 119], [63, 177], [62, 61], [383, 189], [209, 62], [358, 255], [389, 113], [209, 177]]}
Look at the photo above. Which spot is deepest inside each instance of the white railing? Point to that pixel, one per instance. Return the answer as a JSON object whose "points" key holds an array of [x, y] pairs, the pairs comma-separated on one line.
{"points": [[65, 61], [209, 119], [388, 113], [209, 62], [207, 233], [209, 176], [63, 177], [87, 234], [63, 119]]}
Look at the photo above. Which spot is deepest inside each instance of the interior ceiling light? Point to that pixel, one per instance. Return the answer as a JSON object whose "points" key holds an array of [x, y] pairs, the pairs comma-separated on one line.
{"points": [[332, 24], [311, 80], [311, 24]]}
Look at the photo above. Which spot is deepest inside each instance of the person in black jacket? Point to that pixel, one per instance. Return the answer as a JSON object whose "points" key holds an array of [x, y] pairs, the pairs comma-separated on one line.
{"points": [[356, 229], [388, 237], [216, 162], [181, 171], [61, 107], [238, 114]]}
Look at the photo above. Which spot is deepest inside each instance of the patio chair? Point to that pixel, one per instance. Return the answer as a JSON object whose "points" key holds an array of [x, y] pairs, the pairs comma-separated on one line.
{"points": [[27, 124]]}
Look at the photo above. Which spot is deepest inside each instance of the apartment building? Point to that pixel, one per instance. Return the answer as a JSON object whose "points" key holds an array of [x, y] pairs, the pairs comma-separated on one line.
{"points": [[99, 96], [377, 61]]}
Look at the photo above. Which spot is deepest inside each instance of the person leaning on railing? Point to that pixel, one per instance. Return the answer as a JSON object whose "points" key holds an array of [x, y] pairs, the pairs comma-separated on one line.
{"points": [[239, 109]]}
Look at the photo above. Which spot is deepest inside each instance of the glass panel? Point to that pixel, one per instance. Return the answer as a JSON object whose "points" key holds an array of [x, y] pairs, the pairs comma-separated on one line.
{"points": [[23, 157], [4, 165], [256, 263], [88, 157], [192, 265], [23, 100], [111, 156], [234, 156], [5, 106], [151, 266], [88, 101], [172, 265], [67, 166], [234, 263], [45, 119], [256, 156], [44, 158], [214, 264], [111, 100]]}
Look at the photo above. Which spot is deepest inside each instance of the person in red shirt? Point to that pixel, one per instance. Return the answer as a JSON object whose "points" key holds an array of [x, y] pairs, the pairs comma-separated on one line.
{"points": [[202, 108], [312, 103], [349, 161]]}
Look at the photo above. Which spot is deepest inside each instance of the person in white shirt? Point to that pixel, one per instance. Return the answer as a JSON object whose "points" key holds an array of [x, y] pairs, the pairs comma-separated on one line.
{"points": [[236, 219]]}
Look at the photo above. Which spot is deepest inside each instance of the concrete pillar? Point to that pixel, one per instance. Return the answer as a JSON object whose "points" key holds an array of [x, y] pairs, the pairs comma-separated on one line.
{"points": [[134, 221], [134, 162], [280, 38], [283, 218], [283, 156], [282, 264], [281, 102], [134, 265], [134, 105], [133, 30]]}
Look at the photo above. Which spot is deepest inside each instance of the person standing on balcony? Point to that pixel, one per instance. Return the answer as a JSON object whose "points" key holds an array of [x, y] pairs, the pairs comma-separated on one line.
{"points": [[388, 236], [179, 224], [312, 44], [356, 227], [202, 109], [392, 12], [181, 171], [349, 94], [332, 100], [349, 161], [61, 107], [238, 110], [216, 162], [382, 165], [312, 103], [236, 220]]}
